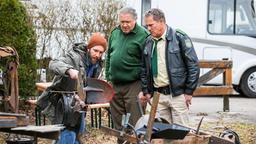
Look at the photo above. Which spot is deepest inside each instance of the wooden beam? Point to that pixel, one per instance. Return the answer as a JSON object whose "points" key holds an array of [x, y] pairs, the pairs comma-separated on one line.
{"points": [[12, 114], [152, 116], [42, 86], [210, 75], [215, 64], [213, 90], [228, 76], [21, 119], [103, 105], [8, 121], [47, 135]]}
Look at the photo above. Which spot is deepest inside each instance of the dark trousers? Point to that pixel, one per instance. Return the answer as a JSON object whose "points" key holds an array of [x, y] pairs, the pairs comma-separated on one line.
{"points": [[125, 101]]}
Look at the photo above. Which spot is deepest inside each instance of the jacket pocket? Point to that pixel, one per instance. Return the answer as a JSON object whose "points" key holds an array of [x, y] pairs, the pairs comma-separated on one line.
{"points": [[178, 77], [174, 50], [175, 58]]}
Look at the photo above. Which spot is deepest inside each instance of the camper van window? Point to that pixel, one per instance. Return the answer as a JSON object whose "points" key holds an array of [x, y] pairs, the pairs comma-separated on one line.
{"points": [[221, 15], [253, 5], [230, 17]]}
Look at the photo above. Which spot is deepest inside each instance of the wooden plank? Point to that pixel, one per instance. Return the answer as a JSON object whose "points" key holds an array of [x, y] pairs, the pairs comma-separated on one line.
{"points": [[48, 135], [42, 86], [103, 105], [8, 121], [228, 75], [117, 134], [215, 64], [41, 129], [213, 90], [21, 119], [152, 116], [210, 75], [192, 138], [12, 114]]}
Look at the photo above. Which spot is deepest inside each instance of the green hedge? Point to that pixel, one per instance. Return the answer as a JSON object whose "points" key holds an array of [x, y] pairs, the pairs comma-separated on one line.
{"points": [[16, 30]]}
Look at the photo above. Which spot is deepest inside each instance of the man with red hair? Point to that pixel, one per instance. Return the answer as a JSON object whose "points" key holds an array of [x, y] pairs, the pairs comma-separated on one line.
{"points": [[83, 58]]}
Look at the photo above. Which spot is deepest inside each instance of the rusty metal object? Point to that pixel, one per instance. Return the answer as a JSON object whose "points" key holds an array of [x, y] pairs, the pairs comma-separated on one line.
{"points": [[199, 125], [10, 80], [218, 140], [98, 91], [116, 133], [7, 51], [14, 87]]}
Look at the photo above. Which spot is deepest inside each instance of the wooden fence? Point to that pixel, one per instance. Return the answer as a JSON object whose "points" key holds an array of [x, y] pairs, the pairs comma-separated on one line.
{"points": [[217, 67]]}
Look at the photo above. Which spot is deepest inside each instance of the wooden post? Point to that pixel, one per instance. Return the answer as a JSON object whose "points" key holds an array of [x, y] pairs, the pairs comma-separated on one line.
{"points": [[152, 116], [225, 97], [227, 80]]}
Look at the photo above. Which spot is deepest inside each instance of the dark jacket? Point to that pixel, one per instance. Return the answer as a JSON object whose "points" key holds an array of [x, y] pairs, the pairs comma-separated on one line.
{"points": [[181, 62], [74, 59]]}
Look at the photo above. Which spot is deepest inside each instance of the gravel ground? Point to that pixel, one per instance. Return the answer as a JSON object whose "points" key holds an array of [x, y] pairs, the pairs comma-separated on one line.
{"points": [[241, 119]]}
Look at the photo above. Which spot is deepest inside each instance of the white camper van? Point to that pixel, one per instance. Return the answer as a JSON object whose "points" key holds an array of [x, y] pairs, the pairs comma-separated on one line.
{"points": [[219, 29]]}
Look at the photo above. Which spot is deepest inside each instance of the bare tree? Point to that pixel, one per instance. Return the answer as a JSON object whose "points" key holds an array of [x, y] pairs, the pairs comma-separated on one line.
{"points": [[61, 23], [99, 16]]}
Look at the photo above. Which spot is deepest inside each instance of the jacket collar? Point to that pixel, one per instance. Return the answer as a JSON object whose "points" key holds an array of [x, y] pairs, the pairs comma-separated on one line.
{"points": [[169, 35]]}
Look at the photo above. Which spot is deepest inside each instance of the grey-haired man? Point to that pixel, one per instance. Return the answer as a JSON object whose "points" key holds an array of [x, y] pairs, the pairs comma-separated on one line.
{"points": [[170, 67], [123, 65]]}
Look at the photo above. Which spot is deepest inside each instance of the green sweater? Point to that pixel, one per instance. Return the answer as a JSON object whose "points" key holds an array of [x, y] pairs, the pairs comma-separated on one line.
{"points": [[123, 62]]}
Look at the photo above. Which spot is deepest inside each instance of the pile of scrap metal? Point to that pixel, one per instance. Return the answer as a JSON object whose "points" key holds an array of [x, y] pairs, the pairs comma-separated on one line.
{"points": [[173, 133], [9, 94], [152, 126], [9, 90]]}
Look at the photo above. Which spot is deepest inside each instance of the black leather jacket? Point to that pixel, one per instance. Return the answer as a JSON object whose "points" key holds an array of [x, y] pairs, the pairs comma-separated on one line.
{"points": [[181, 62]]}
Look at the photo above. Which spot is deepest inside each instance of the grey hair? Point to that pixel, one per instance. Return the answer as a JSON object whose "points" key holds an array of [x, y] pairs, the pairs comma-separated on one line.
{"points": [[129, 10], [157, 14]]}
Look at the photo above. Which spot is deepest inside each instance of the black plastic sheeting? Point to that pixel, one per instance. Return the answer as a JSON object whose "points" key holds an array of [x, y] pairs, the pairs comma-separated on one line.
{"points": [[166, 131]]}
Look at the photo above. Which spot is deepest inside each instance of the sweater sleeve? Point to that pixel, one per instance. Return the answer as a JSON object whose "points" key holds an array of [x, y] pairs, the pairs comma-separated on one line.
{"points": [[107, 61]]}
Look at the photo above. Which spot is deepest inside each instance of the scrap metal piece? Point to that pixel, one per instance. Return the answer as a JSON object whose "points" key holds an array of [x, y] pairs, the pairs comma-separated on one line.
{"points": [[116, 133], [199, 125]]}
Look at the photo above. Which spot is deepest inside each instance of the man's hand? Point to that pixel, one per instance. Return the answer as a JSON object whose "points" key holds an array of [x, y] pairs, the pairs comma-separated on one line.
{"points": [[188, 99], [79, 104], [144, 98], [73, 74]]}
